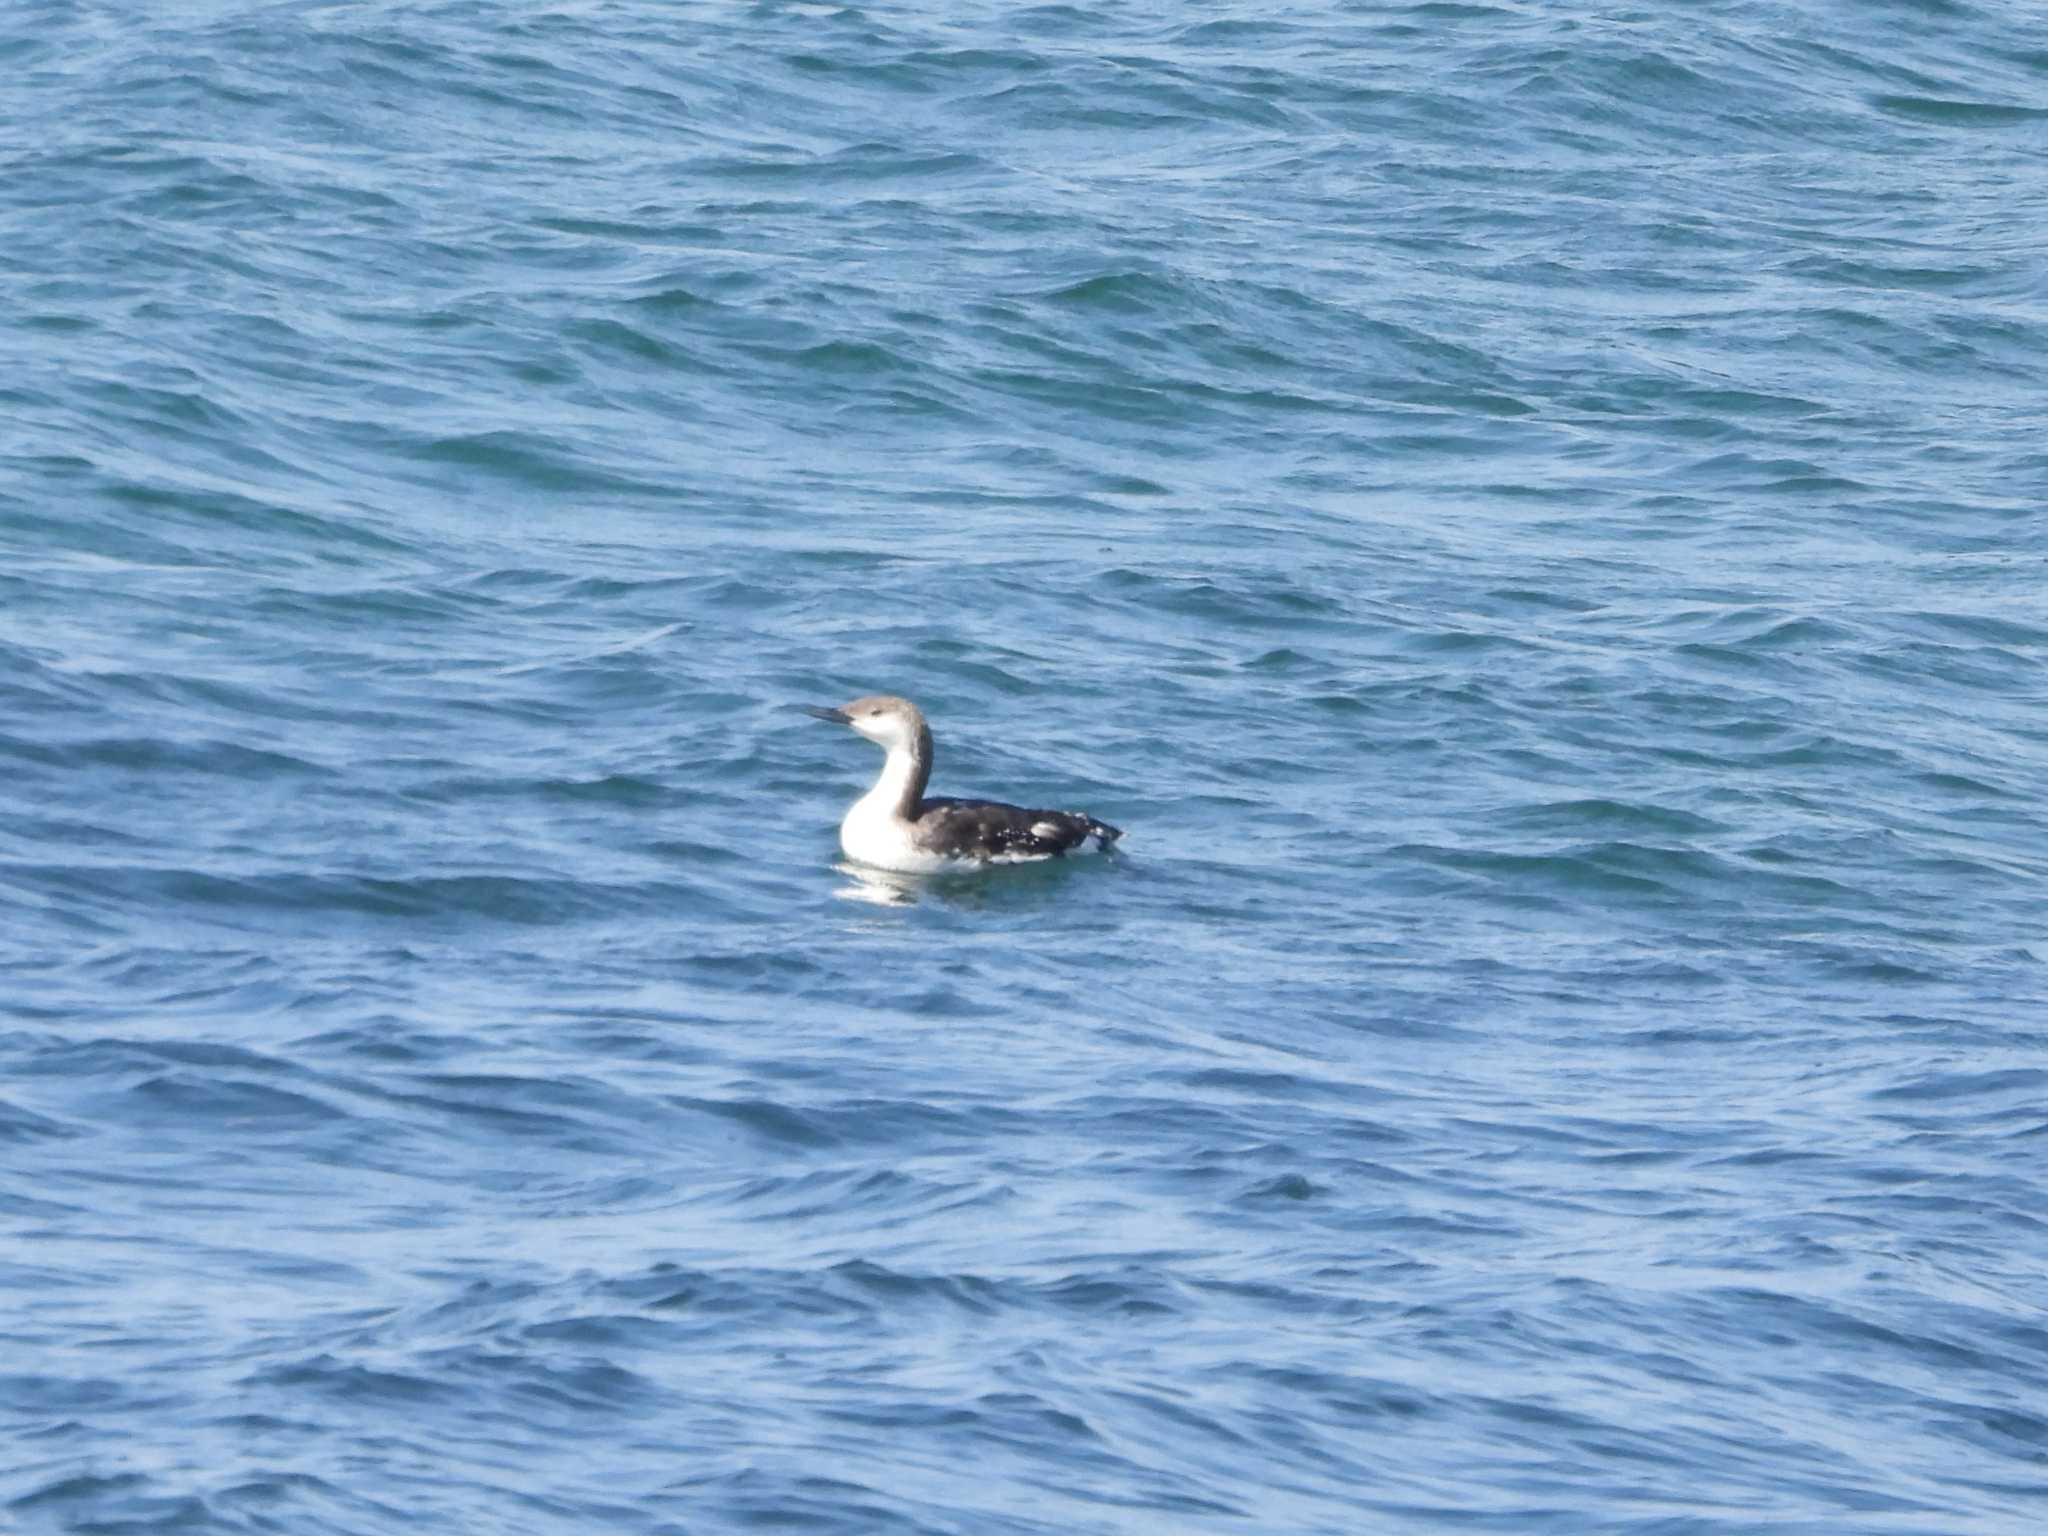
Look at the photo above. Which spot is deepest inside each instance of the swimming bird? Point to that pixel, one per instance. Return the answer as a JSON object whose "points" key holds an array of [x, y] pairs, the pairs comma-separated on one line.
{"points": [[893, 825]]}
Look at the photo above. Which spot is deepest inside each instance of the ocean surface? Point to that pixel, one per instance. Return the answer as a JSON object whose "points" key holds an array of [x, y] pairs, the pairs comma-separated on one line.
{"points": [[1531, 515]]}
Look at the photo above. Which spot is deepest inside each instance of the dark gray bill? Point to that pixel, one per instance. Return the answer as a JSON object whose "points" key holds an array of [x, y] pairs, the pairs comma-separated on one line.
{"points": [[836, 716]]}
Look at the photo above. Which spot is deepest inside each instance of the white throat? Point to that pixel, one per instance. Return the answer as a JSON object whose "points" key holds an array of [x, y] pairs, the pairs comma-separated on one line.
{"points": [[885, 800], [875, 830]]}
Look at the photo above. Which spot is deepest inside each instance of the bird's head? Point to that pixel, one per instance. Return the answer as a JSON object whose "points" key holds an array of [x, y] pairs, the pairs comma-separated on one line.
{"points": [[893, 723]]}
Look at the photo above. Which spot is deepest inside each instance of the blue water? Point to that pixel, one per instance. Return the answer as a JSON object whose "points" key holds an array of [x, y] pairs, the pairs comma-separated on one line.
{"points": [[1530, 515]]}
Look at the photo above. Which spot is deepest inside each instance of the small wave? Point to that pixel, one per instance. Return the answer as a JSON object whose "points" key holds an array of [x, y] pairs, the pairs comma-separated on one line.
{"points": [[1961, 114]]}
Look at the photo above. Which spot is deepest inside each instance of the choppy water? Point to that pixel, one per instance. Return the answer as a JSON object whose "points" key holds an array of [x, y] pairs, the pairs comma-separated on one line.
{"points": [[1530, 514]]}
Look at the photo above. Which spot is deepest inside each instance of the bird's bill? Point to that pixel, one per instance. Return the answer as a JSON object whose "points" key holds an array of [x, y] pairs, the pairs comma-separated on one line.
{"points": [[836, 716]]}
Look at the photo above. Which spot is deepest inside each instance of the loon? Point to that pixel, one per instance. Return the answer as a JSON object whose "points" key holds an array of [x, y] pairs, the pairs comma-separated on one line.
{"points": [[893, 826]]}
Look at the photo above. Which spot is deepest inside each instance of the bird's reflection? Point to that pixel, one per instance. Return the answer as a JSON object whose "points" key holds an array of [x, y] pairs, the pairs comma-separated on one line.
{"points": [[973, 888], [877, 887]]}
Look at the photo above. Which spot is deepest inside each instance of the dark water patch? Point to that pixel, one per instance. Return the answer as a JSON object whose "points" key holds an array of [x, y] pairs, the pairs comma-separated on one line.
{"points": [[1589, 817], [301, 534], [155, 755], [357, 1386], [279, 900], [20, 1124], [1942, 1086], [176, 1098], [534, 461], [79, 1489], [1960, 114]]}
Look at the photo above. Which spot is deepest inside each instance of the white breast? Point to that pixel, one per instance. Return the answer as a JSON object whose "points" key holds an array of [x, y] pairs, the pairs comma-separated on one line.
{"points": [[873, 834]]}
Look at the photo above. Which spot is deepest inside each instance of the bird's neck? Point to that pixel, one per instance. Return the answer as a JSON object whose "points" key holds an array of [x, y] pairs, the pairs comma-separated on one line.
{"points": [[900, 789]]}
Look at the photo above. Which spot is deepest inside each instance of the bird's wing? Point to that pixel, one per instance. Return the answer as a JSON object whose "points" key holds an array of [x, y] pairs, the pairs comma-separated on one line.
{"points": [[989, 829]]}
